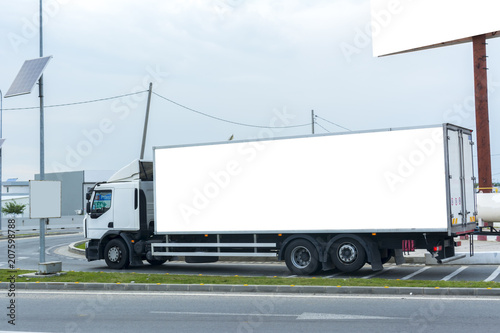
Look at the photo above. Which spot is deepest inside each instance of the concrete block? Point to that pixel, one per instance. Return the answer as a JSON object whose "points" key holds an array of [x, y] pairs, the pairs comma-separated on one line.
{"points": [[313, 289], [488, 292], [337, 290], [411, 291], [177, 287], [157, 287], [51, 267], [267, 289], [199, 287], [436, 291], [96, 286]]}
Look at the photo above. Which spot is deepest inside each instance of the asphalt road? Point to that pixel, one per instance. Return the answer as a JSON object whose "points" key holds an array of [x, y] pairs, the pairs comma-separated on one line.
{"points": [[63, 311], [27, 257]]}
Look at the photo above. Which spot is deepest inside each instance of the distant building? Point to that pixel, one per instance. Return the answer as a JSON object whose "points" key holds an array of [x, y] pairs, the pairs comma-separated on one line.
{"points": [[74, 185]]}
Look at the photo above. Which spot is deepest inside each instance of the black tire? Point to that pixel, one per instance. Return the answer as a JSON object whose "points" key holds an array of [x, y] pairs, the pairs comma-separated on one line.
{"points": [[301, 257], [116, 254], [385, 257], [156, 262], [348, 255]]}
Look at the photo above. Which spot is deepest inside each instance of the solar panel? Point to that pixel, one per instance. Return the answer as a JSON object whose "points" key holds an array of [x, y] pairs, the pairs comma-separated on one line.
{"points": [[29, 73]]}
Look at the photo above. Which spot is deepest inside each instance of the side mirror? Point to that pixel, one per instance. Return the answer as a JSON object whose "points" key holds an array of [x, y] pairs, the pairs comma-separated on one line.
{"points": [[88, 207], [88, 195]]}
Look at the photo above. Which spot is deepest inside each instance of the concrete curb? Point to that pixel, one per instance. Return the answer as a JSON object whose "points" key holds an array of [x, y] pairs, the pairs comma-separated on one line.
{"points": [[73, 247], [281, 289]]}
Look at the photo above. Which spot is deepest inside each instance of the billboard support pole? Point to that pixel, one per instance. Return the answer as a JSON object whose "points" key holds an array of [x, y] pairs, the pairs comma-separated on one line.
{"points": [[482, 118]]}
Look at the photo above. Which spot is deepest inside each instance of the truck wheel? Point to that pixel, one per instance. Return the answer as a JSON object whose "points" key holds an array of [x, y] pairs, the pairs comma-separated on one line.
{"points": [[301, 257], [156, 262], [116, 254], [386, 255], [348, 255]]}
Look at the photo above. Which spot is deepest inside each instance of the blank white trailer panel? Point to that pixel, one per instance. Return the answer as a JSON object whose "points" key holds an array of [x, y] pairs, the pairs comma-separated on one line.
{"points": [[382, 181]]}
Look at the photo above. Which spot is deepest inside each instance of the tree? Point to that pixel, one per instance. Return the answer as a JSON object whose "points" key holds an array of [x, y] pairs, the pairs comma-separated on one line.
{"points": [[13, 208]]}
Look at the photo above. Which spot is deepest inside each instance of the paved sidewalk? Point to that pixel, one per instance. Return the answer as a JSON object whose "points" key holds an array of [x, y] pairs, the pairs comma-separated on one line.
{"points": [[282, 289]]}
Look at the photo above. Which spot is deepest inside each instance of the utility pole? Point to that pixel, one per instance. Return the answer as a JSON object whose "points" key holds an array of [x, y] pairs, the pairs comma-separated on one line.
{"points": [[146, 120], [312, 120]]}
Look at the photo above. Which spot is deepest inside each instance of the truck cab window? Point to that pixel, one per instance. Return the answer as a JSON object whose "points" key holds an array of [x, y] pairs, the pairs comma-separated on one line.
{"points": [[101, 202]]}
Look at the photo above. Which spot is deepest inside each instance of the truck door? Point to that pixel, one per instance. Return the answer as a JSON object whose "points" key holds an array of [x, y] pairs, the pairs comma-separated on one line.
{"points": [[114, 207], [461, 179], [126, 210], [100, 215], [469, 179]]}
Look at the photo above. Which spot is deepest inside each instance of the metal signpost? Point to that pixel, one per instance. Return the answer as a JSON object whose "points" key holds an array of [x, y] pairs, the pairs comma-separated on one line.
{"points": [[31, 71]]}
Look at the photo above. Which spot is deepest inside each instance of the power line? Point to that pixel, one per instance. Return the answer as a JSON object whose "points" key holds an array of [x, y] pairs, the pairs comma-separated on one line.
{"points": [[226, 120], [167, 99], [82, 102], [328, 121], [322, 127]]}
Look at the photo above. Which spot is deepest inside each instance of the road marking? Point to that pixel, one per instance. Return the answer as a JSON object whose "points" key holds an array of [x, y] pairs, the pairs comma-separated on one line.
{"points": [[415, 273], [456, 272], [303, 316], [224, 314], [378, 273], [333, 316], [493, 275], [291, 276]]}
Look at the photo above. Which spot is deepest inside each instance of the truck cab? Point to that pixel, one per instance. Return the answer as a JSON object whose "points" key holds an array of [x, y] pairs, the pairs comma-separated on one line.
{"points": [[120, 212]]}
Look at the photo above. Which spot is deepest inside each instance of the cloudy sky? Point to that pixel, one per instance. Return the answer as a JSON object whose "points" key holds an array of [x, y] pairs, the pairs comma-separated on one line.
{"points": [[254, 62]]}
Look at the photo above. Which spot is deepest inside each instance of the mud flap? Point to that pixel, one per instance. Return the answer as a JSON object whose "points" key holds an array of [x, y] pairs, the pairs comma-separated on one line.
{"points": [[375, 259], [398, 256]]}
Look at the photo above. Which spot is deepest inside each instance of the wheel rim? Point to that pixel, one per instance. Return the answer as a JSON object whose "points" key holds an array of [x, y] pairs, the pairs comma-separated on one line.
{"points": [[114, 254], [347, 253], [301, 257]]}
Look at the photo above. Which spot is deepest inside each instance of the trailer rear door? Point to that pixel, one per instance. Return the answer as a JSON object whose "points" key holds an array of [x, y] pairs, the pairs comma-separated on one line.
{"points": [[461, 180]]}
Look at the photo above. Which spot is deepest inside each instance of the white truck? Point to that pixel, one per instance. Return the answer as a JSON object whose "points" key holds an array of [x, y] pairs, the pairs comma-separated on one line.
{"points": [[316, 202]]}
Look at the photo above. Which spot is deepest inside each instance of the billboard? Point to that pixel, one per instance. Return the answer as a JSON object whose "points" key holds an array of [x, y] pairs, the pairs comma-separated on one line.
{"points": [[382, 180], [409, 25]]}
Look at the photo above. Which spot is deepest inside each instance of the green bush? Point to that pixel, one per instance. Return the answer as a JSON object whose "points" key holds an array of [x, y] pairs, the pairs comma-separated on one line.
{"points": [[13, 208]]}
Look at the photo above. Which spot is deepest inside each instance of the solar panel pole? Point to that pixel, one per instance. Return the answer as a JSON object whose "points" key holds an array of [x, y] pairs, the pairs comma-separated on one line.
{"points": [[1, 143], [42, 143]]}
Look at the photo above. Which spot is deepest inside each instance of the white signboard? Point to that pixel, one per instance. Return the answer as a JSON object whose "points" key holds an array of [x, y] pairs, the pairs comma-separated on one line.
{"points": [[409, 25], [45, 199]]}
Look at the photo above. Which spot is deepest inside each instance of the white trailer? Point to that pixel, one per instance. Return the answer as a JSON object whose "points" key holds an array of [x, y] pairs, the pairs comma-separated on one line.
{"points": [[316, 202]]}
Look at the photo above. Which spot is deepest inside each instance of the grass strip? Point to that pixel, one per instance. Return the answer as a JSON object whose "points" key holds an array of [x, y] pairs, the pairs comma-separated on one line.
{"points": [[132, 277], [81, 246]]}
